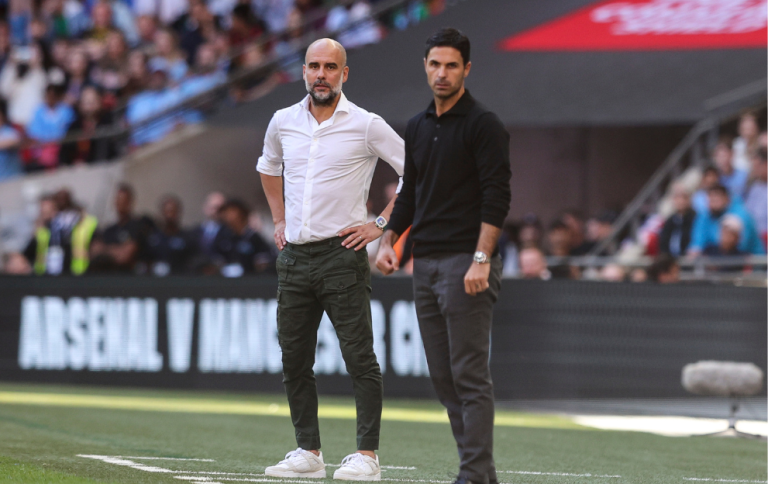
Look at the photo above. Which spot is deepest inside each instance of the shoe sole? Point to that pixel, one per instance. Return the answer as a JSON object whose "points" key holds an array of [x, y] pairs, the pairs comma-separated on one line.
{"points": [[342, 477], [307, 475]]}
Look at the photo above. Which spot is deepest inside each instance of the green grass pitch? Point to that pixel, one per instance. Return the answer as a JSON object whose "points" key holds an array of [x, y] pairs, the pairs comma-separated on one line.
{"points": [[234, 436]]}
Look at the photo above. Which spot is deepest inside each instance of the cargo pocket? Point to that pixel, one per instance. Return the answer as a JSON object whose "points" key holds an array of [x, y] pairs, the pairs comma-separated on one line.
{"points": [[285, 265], [342, 291]]}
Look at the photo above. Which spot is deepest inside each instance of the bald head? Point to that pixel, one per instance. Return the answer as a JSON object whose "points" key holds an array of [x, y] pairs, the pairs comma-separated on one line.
{"points": [[326, 48], [325, 70]]}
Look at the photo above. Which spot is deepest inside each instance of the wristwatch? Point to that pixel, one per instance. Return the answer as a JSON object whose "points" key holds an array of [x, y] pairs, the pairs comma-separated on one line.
{"points": [[381, 223], [481, 257]]}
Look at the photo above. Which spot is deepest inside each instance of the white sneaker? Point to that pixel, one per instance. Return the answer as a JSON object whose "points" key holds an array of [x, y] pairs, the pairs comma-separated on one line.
{"points": [[358, 467], [299, 463]]}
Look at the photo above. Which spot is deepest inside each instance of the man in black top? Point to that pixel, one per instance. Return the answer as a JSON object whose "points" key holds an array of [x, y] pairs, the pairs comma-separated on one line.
{"points": [[675, 235], [169, 247], [118, 247], [245, 252], [456, 195]]}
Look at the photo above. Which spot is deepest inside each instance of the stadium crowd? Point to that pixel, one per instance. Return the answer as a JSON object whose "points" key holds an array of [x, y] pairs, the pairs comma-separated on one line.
{"points": [[71, 67], [68, 240]]}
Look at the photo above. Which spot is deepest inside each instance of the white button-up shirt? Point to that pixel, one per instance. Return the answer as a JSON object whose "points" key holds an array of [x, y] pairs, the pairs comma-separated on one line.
{"points": [[328, 166]]}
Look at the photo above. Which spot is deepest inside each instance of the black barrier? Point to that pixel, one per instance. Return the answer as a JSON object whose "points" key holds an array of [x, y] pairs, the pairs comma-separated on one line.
{"points": [[557, 339]]}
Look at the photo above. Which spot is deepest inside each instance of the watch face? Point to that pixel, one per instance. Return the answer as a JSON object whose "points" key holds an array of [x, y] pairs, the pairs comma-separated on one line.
{"points": [[381, 222]]}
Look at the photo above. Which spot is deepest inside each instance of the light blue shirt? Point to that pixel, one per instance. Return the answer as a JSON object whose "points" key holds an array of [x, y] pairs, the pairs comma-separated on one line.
{"points": [[50, 125], [10, 166], [706, 231], [735, 182], [147, 104], [756, 204], [195, 85]]}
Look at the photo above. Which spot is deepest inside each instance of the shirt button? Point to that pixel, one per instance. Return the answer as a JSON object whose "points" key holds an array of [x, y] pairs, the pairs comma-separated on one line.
{"points": [[435, 138], [438, 125], [305, 225]]}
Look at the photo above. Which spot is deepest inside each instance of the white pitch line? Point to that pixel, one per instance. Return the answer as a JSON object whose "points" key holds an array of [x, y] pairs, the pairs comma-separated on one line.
{"points": [[705, 479], [162, 458], [562, 474], [406, 468], [209, 480]]}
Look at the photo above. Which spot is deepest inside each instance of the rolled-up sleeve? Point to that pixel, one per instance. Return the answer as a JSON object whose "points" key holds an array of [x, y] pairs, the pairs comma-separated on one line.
{"points": [[385, 143], [271, 160]]}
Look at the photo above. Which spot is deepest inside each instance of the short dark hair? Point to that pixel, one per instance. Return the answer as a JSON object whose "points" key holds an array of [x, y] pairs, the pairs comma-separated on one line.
{"points": [[125, 188], [710, 169], [719, 189], [238, 205], [662, 265], [558, 225], [449, 37]]}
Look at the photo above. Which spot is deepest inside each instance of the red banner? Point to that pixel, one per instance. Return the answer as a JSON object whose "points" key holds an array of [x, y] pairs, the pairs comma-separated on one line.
{"points": [[650, 25]]}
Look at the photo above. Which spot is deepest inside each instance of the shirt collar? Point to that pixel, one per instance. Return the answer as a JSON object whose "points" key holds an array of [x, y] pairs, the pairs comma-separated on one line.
{"points": [[343, 105], [461, 108]]}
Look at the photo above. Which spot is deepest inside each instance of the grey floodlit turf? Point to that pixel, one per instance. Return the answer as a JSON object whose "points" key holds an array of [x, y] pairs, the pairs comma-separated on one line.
{"points": [[40, 444]]}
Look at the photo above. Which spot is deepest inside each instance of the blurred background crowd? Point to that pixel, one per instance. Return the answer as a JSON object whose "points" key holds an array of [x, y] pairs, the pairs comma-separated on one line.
{"points": [[723, 213], [75, 72]]}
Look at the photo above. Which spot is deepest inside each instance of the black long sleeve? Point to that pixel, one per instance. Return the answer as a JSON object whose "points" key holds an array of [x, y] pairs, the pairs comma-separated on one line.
{"points": [[456, 177]]}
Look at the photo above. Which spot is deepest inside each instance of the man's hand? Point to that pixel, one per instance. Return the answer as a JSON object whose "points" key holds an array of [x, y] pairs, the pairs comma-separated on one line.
{"points": [[360, 236], [476, 279], [280, 234], [386, 259]]}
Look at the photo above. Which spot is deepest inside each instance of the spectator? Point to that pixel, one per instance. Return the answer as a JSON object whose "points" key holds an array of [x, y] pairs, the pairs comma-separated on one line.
{"points": [[196, 28], [167, 11], [110, 73], [89, 118], [206, 77], [638, 275], [10, 139], [101, 18], [77, 70], [47, 210], [170, 248], [258, 83], [51, 119], [574, 220], [246, 252], [168, 57], [246, 28], [5, 43], [148, 104], [274, 12], [16, 264], [756, 200], [731, 228], [117, 248], [508, 244], [49, 125], [530, 232], [613, 273], [147, 27], [23, 81], [706, 227], [559, 245], [748, 140], [675, 234], [700, 200], [63, 246], [599, 229], [731, 178], [664, 270], [211, 233], [289, 47], [138, 75], [533, 265]]}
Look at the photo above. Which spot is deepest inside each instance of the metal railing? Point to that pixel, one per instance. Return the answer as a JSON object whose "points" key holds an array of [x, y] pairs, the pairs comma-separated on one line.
{"points": [[691, 151]]}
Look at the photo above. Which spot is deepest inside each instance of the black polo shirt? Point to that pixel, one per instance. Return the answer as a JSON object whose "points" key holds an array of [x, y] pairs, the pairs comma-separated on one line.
{"points": [[456, 176]]}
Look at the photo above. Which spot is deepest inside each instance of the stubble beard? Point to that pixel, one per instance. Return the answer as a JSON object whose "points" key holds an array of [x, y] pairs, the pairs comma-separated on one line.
{"points": [[326, 99]]}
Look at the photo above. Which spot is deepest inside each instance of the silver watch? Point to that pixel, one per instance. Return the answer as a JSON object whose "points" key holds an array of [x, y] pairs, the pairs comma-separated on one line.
{"points": [[481, 257], [381, 223]]}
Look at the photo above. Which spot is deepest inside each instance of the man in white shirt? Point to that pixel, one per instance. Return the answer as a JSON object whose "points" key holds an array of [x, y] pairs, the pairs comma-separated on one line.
{"points": [[323, 150]]}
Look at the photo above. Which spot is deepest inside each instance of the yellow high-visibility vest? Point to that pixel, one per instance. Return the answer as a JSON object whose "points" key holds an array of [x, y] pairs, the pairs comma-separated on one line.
{"points": [[81, 243]]}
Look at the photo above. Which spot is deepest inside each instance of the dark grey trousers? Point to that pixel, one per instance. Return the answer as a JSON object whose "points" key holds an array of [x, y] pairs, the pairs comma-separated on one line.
{"points": [[456, 331]]}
